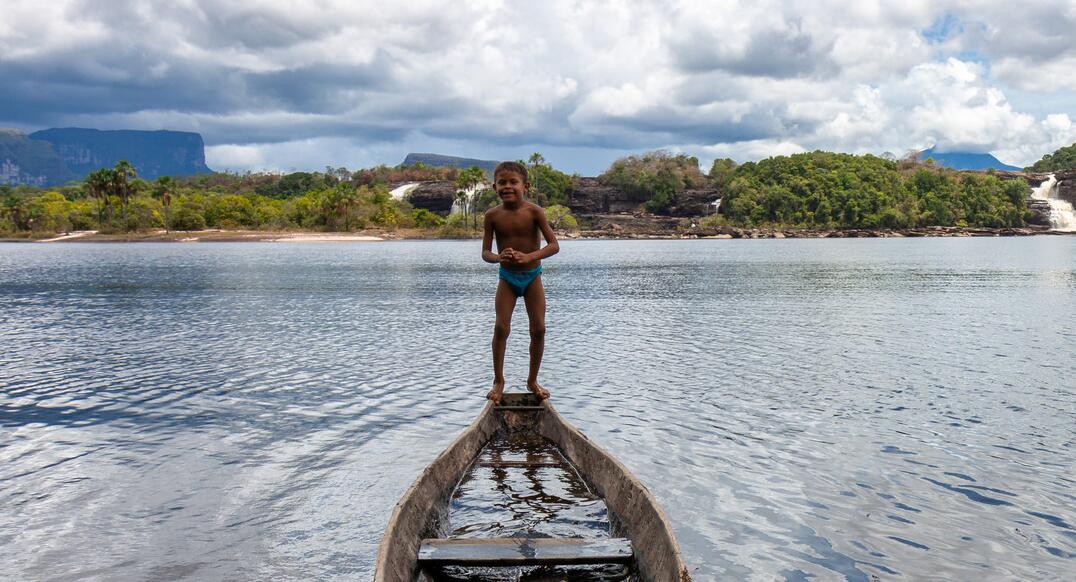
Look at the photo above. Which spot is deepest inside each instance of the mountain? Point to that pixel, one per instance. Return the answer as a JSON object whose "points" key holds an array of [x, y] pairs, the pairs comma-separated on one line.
{"points": [[965, 161], [27, 161], [441, 161], [152, 153]]}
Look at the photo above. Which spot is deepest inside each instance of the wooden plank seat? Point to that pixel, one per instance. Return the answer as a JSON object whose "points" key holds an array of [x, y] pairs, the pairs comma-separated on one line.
{"points": [[524, 551], [518, 464]]}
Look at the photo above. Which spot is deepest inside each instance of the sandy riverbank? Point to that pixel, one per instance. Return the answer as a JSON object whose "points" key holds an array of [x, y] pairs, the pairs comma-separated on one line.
{"points": [[215, 235], [608, 232]]}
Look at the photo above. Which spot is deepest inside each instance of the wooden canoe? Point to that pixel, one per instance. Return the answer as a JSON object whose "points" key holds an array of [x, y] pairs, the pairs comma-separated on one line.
{"points": [[419, 520]]}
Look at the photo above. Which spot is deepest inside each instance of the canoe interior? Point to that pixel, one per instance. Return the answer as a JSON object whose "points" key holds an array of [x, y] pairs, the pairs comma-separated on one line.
{"points": [[591, 494]]}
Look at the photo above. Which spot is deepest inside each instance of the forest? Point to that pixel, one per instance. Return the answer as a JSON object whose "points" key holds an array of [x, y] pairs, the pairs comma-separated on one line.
{"points": [[815, 190]]}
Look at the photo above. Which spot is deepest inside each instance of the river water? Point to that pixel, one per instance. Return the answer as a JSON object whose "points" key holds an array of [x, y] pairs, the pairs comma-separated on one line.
{"points": [[802, 409]]}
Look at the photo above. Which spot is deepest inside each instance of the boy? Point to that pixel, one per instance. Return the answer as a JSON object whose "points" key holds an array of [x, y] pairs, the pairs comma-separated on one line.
{"points": [[516, 224]]}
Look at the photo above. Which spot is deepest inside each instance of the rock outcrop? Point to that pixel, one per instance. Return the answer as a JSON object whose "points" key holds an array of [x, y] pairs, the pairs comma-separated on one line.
{"points": [[592, 197], [1066, 185], [437, 197]]}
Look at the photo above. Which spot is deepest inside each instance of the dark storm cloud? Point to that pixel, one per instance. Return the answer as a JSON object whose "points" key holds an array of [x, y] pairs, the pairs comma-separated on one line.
{"points": [[780, 54], [228, 67], [45, 90]]}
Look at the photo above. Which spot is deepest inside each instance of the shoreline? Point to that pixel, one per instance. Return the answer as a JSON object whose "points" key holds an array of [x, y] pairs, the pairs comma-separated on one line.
{"points": [[722, 232]]}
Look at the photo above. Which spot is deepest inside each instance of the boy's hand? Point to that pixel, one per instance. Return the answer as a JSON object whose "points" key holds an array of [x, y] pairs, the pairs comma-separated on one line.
{"points": [[508, 257]]}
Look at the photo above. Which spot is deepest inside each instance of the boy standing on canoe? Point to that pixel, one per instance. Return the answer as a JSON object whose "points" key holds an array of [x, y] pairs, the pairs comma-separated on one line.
{"points": [[516, 224]]}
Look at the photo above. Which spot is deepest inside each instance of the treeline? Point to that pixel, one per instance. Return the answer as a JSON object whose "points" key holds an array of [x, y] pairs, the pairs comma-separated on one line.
{"points": [[829, 190], [115, 200], [824, 190], [1062, 159]]}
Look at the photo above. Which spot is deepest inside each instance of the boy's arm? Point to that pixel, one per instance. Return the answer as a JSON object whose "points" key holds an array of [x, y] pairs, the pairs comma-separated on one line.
{"points": [[487, 241], [551, 247]]}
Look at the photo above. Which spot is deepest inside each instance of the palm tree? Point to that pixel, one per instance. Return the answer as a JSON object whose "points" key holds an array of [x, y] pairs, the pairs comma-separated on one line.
{"points": [[99, 182], [467, 181], [536, 160], [122, 174], [348, 196], [164, 187]]}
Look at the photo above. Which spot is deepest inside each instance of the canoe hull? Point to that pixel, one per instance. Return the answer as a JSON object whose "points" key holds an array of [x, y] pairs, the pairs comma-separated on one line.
{"points": [[422, 511]]}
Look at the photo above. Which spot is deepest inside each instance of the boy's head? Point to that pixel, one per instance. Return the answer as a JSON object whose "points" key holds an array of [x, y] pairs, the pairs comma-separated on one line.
{"points": [[511, 167], [510, 178]]}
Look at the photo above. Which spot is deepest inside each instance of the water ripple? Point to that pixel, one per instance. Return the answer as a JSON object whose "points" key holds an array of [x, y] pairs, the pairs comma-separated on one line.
{"points": [[854, 409]]}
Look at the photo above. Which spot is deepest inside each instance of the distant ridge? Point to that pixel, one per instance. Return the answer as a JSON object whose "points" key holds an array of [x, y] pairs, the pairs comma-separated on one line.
{"points": [[30, 162], [442, 161], [152, 153], [966, 161]]}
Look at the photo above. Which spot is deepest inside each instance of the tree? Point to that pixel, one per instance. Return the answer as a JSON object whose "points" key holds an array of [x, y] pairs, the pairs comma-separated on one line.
{"points": [[467, 190], [99, 183], [15, 210], [560, 218], [535, 161], [163, 188], [122, 174], [721, 172], [1062, 159]]}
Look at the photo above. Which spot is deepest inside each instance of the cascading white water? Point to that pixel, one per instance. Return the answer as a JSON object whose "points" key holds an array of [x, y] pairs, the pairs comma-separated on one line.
{"points": [[401, 192], [471, 193], [1062, 215]]}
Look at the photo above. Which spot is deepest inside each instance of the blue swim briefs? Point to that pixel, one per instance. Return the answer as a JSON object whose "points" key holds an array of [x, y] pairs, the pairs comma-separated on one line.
{"points": [[520, 280]]}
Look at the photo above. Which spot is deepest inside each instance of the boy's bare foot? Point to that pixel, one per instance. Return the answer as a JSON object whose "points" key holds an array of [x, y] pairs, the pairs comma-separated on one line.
{"points": [[497, 393], [538, 391]]}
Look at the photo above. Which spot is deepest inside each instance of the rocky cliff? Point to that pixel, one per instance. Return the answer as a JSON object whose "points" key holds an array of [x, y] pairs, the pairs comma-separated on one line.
{"points": [[592, 197], [437, 197], [152, 153], [31, 162]]}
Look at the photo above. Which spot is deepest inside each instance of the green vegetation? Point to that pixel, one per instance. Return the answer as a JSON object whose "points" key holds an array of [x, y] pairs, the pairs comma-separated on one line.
{"points": [[1062, 159], [828, 190], [560, 218], [548, 185], [817, 190], [659, 175], [115, 200]]}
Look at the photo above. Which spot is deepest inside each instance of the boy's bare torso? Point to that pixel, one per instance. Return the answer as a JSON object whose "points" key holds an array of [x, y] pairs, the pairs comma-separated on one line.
{"points": [[517, 229]]}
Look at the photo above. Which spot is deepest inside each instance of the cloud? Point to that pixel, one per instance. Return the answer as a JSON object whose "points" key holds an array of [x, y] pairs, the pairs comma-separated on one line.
{"points": [[269, 85]]}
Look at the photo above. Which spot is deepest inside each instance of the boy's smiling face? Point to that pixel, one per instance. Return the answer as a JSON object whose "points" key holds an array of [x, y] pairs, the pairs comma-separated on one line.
{"points": [[511, 186]]}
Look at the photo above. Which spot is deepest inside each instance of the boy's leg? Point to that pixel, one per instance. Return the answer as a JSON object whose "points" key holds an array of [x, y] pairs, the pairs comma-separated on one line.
{"points": [[534, 299], [504, 302]]}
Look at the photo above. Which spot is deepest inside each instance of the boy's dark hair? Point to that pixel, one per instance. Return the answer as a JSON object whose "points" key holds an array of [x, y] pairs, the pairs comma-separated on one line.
{"points": [[511, 167]]}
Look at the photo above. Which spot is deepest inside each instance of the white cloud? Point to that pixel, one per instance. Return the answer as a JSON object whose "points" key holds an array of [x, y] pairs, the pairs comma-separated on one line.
{"points": [[748, 79]]}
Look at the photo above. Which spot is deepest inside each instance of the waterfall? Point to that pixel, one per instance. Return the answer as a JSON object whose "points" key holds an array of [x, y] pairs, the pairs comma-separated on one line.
{"points": [[401, 192], [471, 193], [1062, 215]]}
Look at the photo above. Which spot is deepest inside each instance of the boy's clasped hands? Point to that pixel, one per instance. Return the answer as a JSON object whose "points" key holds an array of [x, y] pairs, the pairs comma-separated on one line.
{"points": [[511, 257]]}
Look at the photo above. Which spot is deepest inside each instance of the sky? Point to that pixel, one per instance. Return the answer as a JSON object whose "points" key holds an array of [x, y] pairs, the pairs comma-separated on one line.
{"points": [[281, 85]]}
